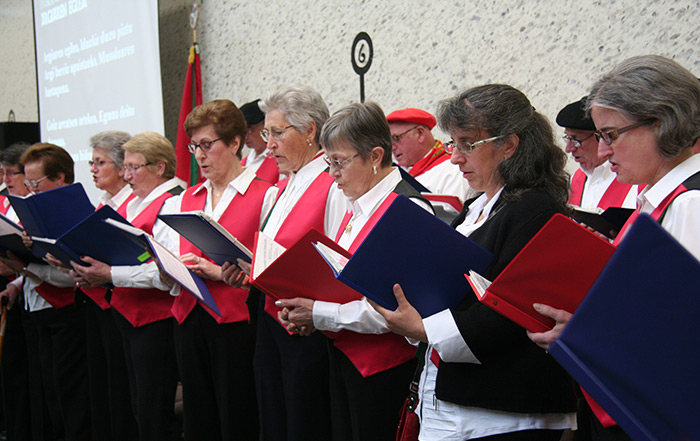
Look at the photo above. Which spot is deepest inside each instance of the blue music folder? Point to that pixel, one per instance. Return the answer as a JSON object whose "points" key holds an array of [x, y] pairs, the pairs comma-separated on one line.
{"points": [[53, 212], [423, 254], [634, 342], [95, 238]]}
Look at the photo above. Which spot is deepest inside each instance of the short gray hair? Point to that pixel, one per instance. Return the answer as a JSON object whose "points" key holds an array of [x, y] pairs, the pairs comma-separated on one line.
{"points": [[300, 105], [652, 87], [363, 126], [111, 141]]}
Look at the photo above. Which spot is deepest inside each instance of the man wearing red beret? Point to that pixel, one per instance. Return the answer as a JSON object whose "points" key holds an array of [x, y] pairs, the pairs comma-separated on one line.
{"points": [[424, 157]]}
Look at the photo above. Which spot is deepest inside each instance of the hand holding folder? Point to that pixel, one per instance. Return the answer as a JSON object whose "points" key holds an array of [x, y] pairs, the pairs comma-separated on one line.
{"points": [[556, 268]]}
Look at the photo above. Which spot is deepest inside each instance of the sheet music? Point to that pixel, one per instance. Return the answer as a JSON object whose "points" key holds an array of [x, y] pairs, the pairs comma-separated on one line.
{"points": [[174, 267], [266, 252]]}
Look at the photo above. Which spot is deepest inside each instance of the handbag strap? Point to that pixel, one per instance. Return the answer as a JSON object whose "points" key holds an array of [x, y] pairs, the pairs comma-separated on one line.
{"points": [[413, 387]]}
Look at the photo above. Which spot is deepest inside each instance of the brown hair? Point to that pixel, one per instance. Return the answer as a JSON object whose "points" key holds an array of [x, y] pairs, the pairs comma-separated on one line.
{"points": [[227, 119], [53, 158]]}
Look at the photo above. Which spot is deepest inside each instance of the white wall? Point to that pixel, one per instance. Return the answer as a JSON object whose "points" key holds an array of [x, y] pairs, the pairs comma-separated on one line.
{"points": [[423, 51]]}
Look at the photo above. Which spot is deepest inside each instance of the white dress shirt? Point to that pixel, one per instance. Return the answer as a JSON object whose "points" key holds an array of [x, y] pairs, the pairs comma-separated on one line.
{"points": [[118, 199], [682, 220]]}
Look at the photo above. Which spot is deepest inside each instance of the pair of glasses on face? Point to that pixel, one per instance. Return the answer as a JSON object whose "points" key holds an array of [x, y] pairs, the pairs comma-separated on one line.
{"points": [[339, 164], [11, 174], [204, 145], [133, 168], [266, 134], [609, 136], [33, 182], [576, 142], [395, 139], [467, 147], [98, 164]]}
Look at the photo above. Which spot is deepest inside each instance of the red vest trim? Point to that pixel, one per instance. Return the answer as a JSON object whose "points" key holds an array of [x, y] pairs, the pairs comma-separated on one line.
{"points": [[97, 294], [143, 306], [57, 297], [308, 213], [614, 195], [268, 170], [4, 205], [372, 353], [242, 219]]}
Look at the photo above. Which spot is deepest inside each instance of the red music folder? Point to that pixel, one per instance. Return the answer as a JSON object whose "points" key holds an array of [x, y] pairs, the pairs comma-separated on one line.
{"points": [[556, 268], [299, 271]]}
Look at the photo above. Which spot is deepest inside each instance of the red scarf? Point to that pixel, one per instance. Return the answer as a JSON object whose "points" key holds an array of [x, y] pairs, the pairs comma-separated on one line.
{"points": [[436, 156]]}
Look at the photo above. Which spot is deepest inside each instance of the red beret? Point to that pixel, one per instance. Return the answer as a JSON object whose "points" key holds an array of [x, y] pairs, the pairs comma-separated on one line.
{"points": [[416, 116]]}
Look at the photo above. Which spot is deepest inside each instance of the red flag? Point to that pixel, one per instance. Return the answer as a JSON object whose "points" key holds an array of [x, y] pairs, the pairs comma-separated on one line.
{"points": [[187, 168]]}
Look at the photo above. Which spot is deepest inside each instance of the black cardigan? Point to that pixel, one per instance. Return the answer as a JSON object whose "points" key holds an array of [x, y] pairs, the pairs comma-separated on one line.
{"points": [[515, 374]]}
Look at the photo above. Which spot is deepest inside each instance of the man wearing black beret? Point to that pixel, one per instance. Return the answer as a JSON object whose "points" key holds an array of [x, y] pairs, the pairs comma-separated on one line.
{"points": [[259, 158], [593, 184]]}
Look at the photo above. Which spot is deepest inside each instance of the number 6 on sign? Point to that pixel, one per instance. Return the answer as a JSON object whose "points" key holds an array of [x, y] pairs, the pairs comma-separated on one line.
{"points": [[362, 53]]}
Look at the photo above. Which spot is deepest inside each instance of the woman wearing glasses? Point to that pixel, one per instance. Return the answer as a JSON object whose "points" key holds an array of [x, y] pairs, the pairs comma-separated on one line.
{"points": [[215, 352], [370, 367], [291, 372], [650, 142], [482, 377], [140, 301]]}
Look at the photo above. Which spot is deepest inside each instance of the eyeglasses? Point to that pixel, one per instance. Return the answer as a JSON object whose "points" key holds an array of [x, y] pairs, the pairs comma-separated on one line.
{"points": [[33, 182], [99, 164], [10, 174], [265, 134], [395, 139], [204, 145], [132, 168], [576, 142], [339, 165], [469, 147], [611, 135]]}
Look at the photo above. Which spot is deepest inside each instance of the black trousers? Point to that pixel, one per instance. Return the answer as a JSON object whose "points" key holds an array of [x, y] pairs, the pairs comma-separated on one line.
{"points": [[42, 428], [366, 408], [64, 368], [152, 367], [218, 386], [291, 378], [15, 378], [110, 400]]}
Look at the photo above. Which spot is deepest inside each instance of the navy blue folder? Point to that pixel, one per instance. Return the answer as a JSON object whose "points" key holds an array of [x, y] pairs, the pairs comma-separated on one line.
{"points": [[415, 249], [53, 212], [13, 242], [93, 237], [634, 342], [197, 229]]}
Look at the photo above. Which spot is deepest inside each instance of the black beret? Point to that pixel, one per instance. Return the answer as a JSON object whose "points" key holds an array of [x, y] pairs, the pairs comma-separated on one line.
{"points": [[252, 113], [573, 116]]}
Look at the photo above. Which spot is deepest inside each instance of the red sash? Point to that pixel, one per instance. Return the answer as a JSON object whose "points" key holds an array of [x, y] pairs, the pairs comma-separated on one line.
{"points": [[614, 195], [268, 170], [4, 205], [308, 213], [242, 219], [143, 306], [436, 156], [97, 293], [372, 353], [57, 297]]}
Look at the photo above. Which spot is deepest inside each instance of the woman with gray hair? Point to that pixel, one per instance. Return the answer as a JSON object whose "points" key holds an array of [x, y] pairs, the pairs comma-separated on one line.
{"points": [[110, 404], [291, 372], [370, 367], [647, 115], [141, 303], [482, 377]]}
